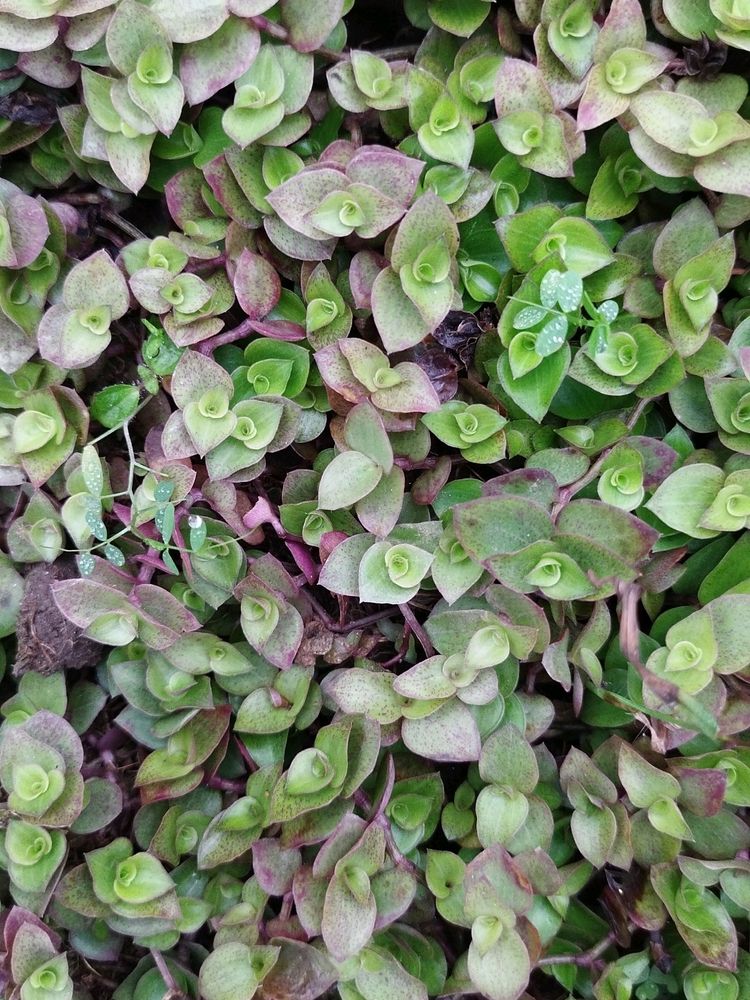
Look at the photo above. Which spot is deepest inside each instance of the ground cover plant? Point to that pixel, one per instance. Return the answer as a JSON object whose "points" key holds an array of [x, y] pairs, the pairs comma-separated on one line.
{"points": [[374, 499]]}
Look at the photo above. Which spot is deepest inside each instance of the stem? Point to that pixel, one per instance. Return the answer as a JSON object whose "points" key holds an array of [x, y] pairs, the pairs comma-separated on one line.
{"points": [[119, 427], [196, 265], [362, 799], [187, 566], [131, 456], [127, 227], [537, 305], [570, 491], [114, 238], [279, 31], [270, 27], [585, 958], [345, 629], [227, 784], [245, 754], [630, 644], [394, 54], [590, 307], [400, 652], [417, 631], [173, 989], [396, 856], [227, 337], [385, 796]]}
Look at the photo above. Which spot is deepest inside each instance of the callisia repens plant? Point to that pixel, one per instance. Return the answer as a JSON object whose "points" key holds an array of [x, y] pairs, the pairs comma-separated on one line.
{"points": [[374, 499]]}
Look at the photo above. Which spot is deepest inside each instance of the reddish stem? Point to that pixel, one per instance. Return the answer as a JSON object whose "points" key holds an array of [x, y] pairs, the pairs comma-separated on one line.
{"points": [[417, 631], [244, 329]]}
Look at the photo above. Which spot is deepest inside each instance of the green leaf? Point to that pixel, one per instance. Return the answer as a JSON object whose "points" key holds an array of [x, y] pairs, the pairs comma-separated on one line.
{"points": [[683, 498], [115, 405], [347, 479], [535, 390], [501, 971]]}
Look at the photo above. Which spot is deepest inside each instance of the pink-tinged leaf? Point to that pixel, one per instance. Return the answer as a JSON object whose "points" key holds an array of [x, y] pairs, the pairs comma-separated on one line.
{"points": [[519, 87], [51, 66], [493, 877], [303, 557], [309, 893], [502, 972], [15, 918], [16, 346], [84, 32], [256, 284], [63, 341], [364, 269], [414, 394], [428, 221], [702, 789], [296, 245], [21, 34], [176, 443], [230, 195], [32, 948], [184, 198], [296, 198], [129, 159], [630, 538], [274, 866], [398, 320], [659, 460], [340, 572], [599, 103], [261, 513], [190, 20], [278, 329], [449, 735], [394, 891], [563, 87], [209, 65], [339, 154], [159, 605], [381, 211], [337, 374], [302, 972], [624, 28], [147, 284], [281, 648], [394, 174], [196, 374], [192, 333], [347, 924], [727, 170], [97, 281], [28, 225], [81, 601], [310, 22], [379, 512], [344, 89], [68, 215]]}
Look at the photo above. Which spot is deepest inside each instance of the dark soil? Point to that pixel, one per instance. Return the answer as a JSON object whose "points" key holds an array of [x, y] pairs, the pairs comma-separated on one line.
{"points": [[47, 642]]}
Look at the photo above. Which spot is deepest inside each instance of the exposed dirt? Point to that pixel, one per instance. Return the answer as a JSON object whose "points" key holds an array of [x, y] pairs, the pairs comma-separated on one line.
{"points": [[47, 642]]}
